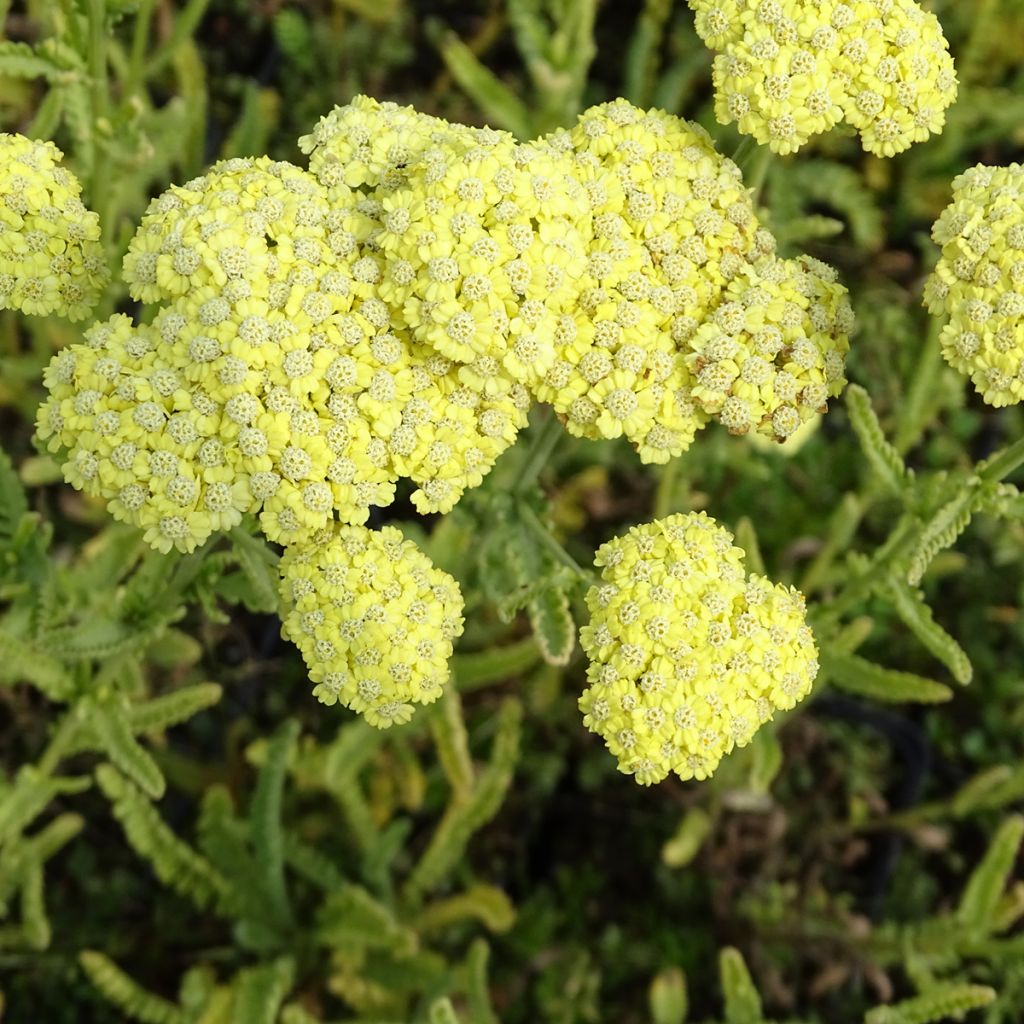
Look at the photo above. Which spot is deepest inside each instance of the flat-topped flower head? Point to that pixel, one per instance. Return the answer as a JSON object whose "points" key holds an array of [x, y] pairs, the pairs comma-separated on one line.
{"points": [[978, 282], [51, 259], [689, 655], [275, 366], [773, 353], [787, 70], [374, 619], [133, 434], [483, 248], [671, 225], [367, 144], [248, 223]]}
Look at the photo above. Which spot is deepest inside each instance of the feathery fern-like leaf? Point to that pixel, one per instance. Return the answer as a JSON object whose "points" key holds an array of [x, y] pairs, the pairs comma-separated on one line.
{"points": [[173, 708], [938, 1004], [742, 1001], [113, 730], [448, 728], [21, 662], [988, 880], [943, 530], [478, 993], [260, 991], [917, 616], [175, 863], [120, 990], [886, 462], [857, 675], [464, 817], [265, 811], [551, 619]]}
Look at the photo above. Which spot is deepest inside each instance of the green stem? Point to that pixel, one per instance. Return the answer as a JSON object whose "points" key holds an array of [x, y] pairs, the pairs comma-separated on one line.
{"points": [[543, 534], [184, 25], [900, 543], [59, 743], [545, 439], [98, 55], [137, 57], [920, 398], [740, 153], [760, 165], [495, 665], [665, 495], [1002, 464]]}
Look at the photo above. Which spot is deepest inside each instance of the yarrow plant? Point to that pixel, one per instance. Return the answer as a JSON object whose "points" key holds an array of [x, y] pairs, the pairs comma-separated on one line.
{"points": [[978, 283], [51, 259], [444, 405], [787, 70]]}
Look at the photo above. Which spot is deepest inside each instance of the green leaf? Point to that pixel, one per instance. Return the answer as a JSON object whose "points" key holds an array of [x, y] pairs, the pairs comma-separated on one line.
{"points": [[175, 863], [442, 1012], [171, 709], [119, 989], [101, 638], [20, 662], [265, 816], [113, 730], [857, 675], [937, 1005], [19, 60], [33, 910], [688, 839], [259, 565], [992, 789], [917, 616], [260, 991], [31, 793], [464, 817], [667, 997], [883, 458], [13, 503], [497, 101], [985, 887], [943, 529], [553, 626], [477, 988], [448, 728], [484, 903], [742, 1002], [746, 538], [353, 919]]}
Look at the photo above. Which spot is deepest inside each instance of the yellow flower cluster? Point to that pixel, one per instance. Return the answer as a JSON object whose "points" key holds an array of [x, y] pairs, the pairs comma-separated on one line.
{"points": [[373, 618], [689, 656], [273, 378], [790, 69], [676, 261], [51, 260], [391, 312], [979, 281], [772, 354]]}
